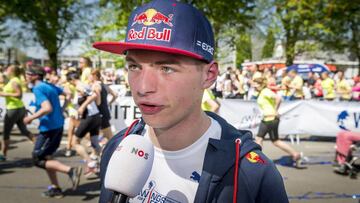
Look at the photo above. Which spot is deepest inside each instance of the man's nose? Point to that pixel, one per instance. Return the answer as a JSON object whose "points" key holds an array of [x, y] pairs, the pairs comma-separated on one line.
{"points": [[148, 82]]}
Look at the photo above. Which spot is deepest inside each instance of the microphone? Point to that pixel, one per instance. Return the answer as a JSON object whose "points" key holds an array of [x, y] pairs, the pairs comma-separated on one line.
{"points": [[129, 167]]}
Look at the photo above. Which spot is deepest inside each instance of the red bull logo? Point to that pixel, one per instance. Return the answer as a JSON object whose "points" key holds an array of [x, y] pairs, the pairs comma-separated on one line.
{"points": [[254, 158], [152, 16], [149, 34]]}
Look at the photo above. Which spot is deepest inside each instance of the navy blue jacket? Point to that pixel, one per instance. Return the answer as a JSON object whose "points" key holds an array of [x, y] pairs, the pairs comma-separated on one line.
{"points": [[258, 178]]}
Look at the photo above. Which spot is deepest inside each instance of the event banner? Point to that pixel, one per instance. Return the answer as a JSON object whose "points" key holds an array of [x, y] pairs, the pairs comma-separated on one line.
{"points": [[310, 117]]}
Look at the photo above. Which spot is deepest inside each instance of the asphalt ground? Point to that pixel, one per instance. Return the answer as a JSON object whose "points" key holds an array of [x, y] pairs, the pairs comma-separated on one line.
{"points": [[21, 182]]}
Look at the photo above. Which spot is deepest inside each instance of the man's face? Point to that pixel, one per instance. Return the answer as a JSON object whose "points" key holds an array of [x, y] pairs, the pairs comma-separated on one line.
{"points": [[167, 88]]}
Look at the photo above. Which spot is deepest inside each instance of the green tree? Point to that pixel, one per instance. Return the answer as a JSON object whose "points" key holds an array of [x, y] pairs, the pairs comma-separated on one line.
{"points": [[237, 15], [54, 23], [301, 20], [243, 48], [342, 20], [268, 49]]}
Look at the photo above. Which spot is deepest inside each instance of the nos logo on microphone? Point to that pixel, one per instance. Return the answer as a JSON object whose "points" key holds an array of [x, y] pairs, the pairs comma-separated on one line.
{"points": [[140, 153]]}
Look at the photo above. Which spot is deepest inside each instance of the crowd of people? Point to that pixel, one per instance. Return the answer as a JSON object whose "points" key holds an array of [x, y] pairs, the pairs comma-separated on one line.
{"points": [[290, 85], [79, 93]]}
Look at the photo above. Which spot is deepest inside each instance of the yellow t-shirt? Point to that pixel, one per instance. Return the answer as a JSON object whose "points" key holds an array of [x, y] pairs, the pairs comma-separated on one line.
{"points": [[207, 95], [13, 102], [328, 86], [85, 75], [297, 82], [267, 104], [344, 89]]}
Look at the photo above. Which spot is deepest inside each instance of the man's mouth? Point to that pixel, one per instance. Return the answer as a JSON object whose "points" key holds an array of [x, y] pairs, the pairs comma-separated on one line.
{"points": [[149, 108]]}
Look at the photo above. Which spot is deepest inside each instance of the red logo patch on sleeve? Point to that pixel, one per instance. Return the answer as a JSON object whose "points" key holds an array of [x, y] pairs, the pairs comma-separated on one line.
{"points": [[254, 158]]}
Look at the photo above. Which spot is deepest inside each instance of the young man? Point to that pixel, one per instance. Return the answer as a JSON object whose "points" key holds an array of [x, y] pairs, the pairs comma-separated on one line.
{"points": [[170, 64], [49, 112]]}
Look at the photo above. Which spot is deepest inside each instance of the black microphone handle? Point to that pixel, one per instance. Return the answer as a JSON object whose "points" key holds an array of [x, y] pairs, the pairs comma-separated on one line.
{"points": [[119, 198]]}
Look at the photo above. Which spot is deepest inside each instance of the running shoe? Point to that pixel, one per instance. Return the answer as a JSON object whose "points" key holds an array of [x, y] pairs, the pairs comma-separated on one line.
{"points": [[68, 153], [53, 192], [298, 161]]}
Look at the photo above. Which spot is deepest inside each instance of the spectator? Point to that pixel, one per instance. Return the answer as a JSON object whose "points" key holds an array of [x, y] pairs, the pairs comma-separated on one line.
{"points": [[85, 66], [317, 90], [356, 89], [295, 86], [343, 88], [328, 86]]}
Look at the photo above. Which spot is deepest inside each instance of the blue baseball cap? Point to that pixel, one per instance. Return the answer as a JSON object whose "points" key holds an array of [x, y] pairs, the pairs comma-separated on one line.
{"points": [[167, 26]]}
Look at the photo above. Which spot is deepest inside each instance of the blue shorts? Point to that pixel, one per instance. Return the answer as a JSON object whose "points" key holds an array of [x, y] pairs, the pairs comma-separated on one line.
{"points": [[47, 143]]}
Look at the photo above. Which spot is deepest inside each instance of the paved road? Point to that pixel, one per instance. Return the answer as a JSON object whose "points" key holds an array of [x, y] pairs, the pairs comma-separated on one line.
{"points": [[21, 182]]}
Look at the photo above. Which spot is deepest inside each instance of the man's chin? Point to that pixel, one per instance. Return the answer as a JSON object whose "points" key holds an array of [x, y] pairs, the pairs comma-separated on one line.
{"points": [[154, 121]]}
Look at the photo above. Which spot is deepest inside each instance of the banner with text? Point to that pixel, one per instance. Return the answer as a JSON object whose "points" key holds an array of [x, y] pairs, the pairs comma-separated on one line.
{"points": [[321, 118]]}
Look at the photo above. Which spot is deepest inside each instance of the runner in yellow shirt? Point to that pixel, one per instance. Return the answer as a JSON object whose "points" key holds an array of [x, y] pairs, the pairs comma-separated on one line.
{"points": [[15, 110], [269, 103]]}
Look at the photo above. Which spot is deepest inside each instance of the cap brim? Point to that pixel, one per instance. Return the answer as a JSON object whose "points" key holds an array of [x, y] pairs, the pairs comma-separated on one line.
{"points": [[121, 47]]}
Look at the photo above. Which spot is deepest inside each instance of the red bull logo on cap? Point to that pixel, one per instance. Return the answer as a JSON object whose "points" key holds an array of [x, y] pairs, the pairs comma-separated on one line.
{"points": [[149, 34], [254, 158], [151, 17]]}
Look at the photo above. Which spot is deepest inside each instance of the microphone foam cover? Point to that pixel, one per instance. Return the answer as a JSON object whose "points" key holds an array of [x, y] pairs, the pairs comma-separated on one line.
{"points": [[130, 165]]}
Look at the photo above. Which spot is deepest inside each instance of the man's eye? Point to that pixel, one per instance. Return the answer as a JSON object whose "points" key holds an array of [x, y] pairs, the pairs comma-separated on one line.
{"points": [[133, 67], [167, 69]]}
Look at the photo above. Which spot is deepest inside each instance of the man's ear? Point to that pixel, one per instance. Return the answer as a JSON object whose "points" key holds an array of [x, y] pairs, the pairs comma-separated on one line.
{"points": [[211, 73]]}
